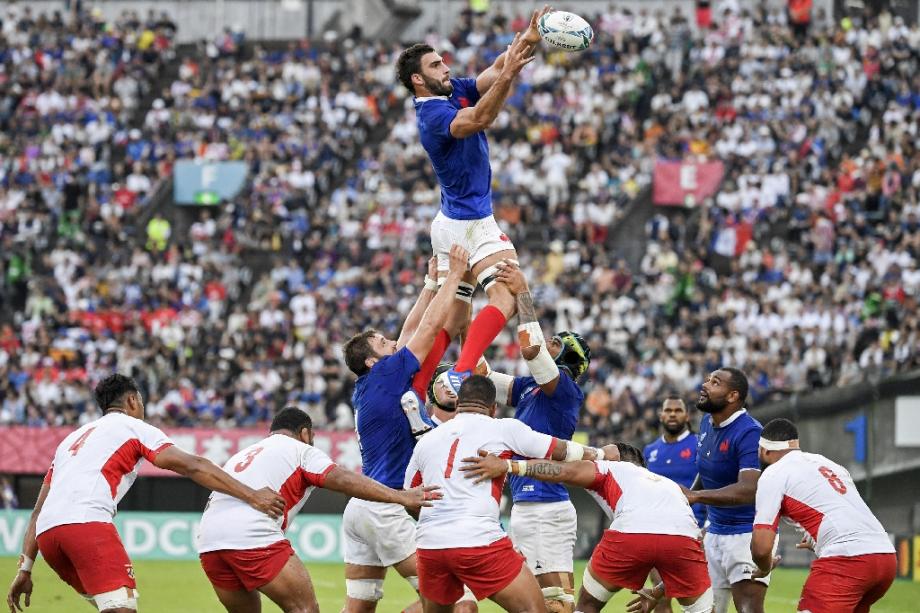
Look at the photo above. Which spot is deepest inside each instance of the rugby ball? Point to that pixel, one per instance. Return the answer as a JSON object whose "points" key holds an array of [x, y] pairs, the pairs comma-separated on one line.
{"points": [[565, 30]]}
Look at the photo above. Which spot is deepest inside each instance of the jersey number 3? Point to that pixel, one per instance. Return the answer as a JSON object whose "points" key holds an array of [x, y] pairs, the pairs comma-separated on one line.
{"points": [[833, 479], [247, 460], [75, 448]]}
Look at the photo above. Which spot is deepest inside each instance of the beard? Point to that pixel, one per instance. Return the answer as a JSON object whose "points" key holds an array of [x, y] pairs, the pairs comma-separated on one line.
{"points": [[438, 88], [708, 405], [674, 429]]}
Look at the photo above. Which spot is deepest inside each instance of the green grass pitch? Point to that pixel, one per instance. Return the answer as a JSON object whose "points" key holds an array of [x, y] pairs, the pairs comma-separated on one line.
{"points": [[181, 587]]}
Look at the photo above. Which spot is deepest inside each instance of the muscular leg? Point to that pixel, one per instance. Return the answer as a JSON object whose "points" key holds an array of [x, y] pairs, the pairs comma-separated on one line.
{"points": [[592, 601], [490, 321], [239, 601], [433, 607], [408, 569], [460, 314], [749, 596], [522, 595], [664, 605], [292, 589], [357, 571]]}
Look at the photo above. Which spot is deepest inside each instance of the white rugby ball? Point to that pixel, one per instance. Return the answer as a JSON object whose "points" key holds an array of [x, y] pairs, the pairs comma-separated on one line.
{"points": [[565, 30]]}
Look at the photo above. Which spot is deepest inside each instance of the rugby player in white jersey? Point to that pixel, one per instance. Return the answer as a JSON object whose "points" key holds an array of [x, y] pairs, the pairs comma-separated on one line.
{"points": [[652, 527], [856, 561], [93, 468], [244, 552], [460, 540]]}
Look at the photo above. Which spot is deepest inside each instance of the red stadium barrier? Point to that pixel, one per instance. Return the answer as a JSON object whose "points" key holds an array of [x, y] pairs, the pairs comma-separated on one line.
{"points": [[30, 450]]}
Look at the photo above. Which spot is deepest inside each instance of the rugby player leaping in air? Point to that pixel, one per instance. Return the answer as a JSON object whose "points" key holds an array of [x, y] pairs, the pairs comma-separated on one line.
{"points": [[453, 115]]}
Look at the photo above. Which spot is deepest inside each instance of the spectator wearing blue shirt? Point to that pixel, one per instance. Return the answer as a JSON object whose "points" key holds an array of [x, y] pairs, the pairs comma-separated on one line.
{"points": [[729, 468], [452, 116], [543, 520], [673, 455], [379, 535]]}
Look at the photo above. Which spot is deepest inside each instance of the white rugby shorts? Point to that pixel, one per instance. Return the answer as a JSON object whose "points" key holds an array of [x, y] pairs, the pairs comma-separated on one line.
{"points": [[377, 533], [729, 559], [481, 237], [545, 533]]}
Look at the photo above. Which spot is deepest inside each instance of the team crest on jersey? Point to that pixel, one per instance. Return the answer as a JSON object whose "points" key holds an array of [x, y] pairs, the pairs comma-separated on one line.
{"points": [[723, 447], [653, 456], [686, 453], [464, 102]]}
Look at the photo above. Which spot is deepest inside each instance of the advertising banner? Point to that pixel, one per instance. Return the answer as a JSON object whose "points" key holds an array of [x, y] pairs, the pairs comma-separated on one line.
{"points": [[207, 183], [172, 536], [30, 450], [685, 183]]}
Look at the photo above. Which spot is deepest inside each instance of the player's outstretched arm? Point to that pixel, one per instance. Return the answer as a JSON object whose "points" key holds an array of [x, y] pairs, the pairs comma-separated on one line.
{"points": [[486, 467], [207, 474], [359, 486], [477, 118], [22, 583], [531, 36], [530, 336], [436, 313], [762, 551], [418, 309], [739, 493]]}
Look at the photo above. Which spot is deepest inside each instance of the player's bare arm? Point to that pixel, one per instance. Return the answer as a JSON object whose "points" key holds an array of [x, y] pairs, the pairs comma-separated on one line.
{"points": [[436, 313], [580, 473], [22, 583], [742, 492], [421, 304], [359, 486], [762, 541], [531, 36], [477, 118], [207, 474], [530, 336]]}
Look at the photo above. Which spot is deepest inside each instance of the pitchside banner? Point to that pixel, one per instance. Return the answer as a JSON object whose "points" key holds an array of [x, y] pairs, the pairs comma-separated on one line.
{"points": [[30, 450], [172, 536], [207, 182], [685, 183]]}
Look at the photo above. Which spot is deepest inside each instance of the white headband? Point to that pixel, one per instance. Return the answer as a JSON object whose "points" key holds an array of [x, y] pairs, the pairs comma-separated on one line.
{"points": [[779, 445]]}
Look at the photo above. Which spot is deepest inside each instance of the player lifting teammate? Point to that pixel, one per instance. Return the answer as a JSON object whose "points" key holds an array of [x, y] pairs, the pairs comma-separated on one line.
{"points": [[652, 526], [460, 540], [856, 562], [380, 535], [243, 552], [93, 468], [543, 520], [452, 116]]}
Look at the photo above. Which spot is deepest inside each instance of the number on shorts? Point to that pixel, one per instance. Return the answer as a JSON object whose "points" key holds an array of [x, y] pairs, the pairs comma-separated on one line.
{"points": [[75, 448], [833, 479], [247, 460], [450, 459]]}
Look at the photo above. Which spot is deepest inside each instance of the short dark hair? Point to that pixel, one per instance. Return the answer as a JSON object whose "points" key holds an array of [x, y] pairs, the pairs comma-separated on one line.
{"points": [[674, 397], [357, 349], [113, 389], [410, 63], [628, 453], [291, 418], [780, 429], [477, 390], [737, 381]]}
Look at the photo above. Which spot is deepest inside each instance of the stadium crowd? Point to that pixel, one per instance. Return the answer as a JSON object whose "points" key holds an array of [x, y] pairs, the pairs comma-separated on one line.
{"points": [[823, 292]]}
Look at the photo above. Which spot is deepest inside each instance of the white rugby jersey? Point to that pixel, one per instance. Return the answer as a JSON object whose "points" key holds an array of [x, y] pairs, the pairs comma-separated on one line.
{"points": [[640, 502], [94, 467], [467, 515], [288, 466], [820, 497]]}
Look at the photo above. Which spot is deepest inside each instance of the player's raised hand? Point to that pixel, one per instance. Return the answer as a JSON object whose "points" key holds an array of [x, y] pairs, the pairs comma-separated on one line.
{"points": [[459, 260], [433, 268], [421, 496], [517, 56], [511, 275], [268, 501], [21, 586], [532, 34], [485, 467]]}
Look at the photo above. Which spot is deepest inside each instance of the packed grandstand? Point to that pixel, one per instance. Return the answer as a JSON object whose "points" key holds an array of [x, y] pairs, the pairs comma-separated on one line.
{"points": [[247, 311]]}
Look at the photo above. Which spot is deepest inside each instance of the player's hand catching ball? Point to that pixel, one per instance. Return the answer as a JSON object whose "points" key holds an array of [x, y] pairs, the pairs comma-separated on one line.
{"points": [[268, 501], [485, 467], [22, 586], [421, 496], [459, 260], [517, 56], [532, 34], [511, 275]]}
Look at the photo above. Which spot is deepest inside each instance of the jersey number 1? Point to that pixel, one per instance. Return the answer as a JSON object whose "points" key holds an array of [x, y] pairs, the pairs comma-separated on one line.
{"points": [[833, 479], [450, 459], [75, 448]]}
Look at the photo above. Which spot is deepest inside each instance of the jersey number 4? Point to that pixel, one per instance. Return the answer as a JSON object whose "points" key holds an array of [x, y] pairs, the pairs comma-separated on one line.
{"points": [[75, 448], [833, 479], [247, 460]]}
